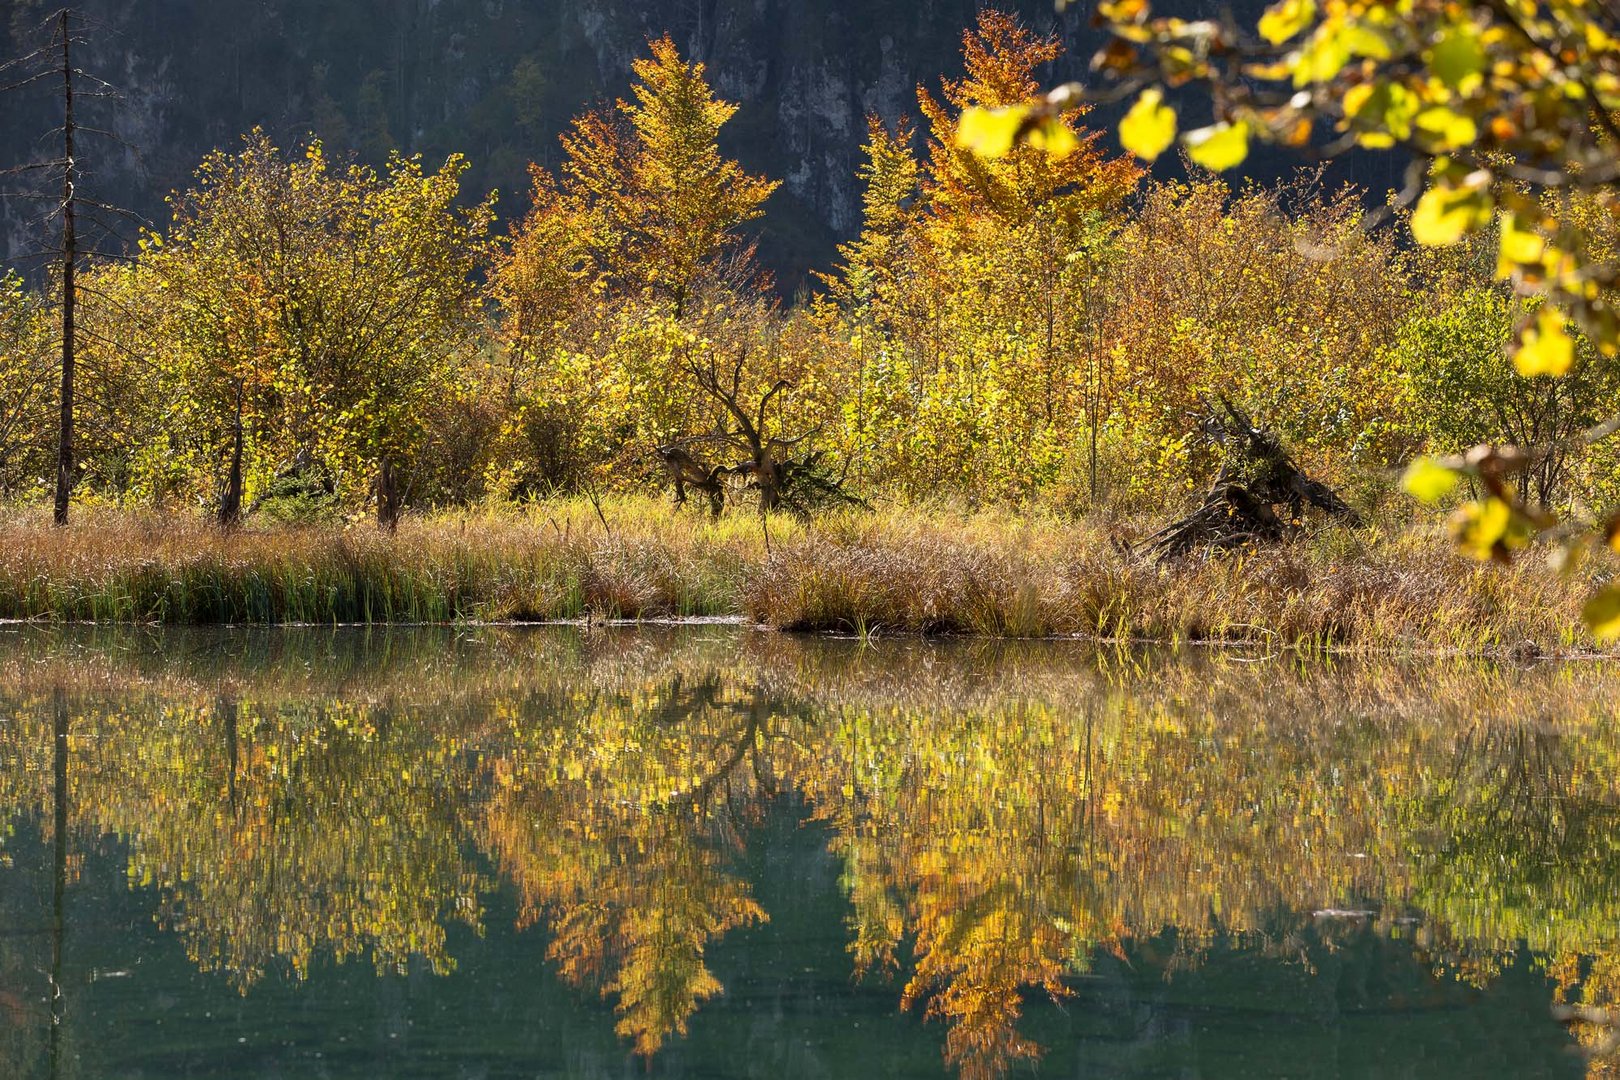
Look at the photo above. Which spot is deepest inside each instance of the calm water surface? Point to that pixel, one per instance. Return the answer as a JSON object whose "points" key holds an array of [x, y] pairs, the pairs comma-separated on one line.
{"points": [[711, 852]]}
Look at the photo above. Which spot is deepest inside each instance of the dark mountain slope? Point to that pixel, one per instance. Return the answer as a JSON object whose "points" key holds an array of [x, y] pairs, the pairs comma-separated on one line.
{"points": [[497, 80]]}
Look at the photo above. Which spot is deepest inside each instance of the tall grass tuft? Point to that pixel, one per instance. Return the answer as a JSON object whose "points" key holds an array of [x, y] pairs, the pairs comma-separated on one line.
{"points": [[1389, 591], [897, 570], [558, 564]]}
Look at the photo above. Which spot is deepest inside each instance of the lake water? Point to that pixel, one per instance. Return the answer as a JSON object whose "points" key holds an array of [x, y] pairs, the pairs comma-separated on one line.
{"points": [[714, 852]]}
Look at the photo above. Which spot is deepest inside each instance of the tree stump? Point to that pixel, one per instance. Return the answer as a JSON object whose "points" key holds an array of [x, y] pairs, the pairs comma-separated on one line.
{"points": [[1256, 480]]}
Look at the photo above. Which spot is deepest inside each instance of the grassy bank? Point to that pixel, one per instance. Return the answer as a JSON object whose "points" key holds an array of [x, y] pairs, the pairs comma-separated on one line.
{"points": [[896, 570]]}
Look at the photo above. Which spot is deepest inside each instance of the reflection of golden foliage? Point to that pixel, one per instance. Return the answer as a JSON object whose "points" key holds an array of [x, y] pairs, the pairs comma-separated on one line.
{"points": [[1009, 824], [977, 959], [276, 833], [876, 922], [611, 817]]}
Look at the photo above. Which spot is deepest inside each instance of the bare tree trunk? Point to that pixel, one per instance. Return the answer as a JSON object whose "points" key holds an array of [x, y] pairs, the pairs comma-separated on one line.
{"points": [[387, 495], [64, 445], [1091, 463], [769, 477], [59, 868], [230, 502]]}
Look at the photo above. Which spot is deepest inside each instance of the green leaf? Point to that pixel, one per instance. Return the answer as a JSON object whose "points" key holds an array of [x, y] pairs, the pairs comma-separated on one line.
{"points": [[1428, 481], [1220, 146], [1457, 56], [1149, 127], [1602, 614], [990, 132], [1545, 348], [1285, 19]]}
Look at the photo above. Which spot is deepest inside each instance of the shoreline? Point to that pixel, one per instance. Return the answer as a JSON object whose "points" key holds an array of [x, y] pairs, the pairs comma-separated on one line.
{"points": [[1392, 588], [1513, 654]]}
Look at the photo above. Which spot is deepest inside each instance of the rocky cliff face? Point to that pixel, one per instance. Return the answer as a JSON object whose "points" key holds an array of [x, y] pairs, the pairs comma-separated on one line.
{"points": [[497, 80]]}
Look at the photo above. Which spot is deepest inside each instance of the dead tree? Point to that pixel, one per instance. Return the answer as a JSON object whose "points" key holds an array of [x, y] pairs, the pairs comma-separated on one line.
{"points": [[745, 430], [685, 469], [784, 481], [70, 258], [1257, 479], [53, 64]]}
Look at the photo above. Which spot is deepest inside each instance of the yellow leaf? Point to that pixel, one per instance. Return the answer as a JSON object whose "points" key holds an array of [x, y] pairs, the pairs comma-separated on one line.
{"points": [[1323, 56], [1488, 529], [1445, 214], [1149, 128], [990, 132], [1517, 247], [1220, 146], [1545, 347], [1268, 72], [1285, 19], [1428, 481], [1356, 98], [1360, 40], [1387, 109], [1602, 614], [1449, 129], [1123, 11], [1054, 137]]}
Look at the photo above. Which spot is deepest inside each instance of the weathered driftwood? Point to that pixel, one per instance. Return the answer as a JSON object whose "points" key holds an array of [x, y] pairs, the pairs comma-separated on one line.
{"points": [[1259, 496]]}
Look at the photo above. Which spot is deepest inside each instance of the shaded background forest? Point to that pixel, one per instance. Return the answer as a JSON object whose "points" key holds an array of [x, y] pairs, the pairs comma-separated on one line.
{"points": [[497, 80]]}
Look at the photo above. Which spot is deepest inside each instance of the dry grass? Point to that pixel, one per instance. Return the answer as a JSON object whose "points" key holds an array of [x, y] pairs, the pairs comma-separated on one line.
{"points": [[896, 570], [1379, 589], [555, 564]]}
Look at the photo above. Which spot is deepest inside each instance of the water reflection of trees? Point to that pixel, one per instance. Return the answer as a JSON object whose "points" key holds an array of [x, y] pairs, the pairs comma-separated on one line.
{"points": [[1001, 816], [276, 831], [613, 813]]}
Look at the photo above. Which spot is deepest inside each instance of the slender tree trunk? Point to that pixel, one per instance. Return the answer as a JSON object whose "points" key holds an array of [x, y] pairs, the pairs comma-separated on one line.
{"points": [[227, 711], [64, 445], [860, 402], [1092, 455], [230, 502], [59, 868], [387, 495]]}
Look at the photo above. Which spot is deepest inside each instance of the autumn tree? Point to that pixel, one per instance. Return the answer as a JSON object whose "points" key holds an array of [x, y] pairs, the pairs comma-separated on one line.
{"points": [[1061, 170], [26, 372], [656, 202], [1451, 361], [637, 235], [315, 311], [971, 297]]}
